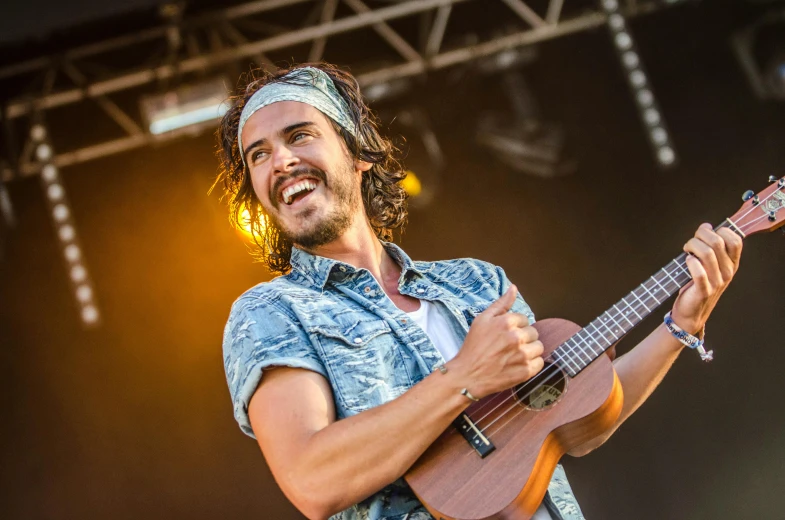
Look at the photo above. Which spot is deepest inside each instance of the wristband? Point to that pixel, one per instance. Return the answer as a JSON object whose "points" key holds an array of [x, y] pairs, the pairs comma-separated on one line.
{"points": [[443, 369], [687, 339]]}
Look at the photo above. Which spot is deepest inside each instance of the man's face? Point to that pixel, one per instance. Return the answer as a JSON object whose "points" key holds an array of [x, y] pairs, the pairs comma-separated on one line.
{"points": [[302, 172]]}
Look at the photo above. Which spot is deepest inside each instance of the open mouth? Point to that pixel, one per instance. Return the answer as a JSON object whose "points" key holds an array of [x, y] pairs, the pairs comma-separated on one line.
{"points": [[298, 191]]}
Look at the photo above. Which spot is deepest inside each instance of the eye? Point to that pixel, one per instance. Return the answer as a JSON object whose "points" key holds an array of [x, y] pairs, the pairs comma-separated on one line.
{"points": [[299, 136], [258, 154]]}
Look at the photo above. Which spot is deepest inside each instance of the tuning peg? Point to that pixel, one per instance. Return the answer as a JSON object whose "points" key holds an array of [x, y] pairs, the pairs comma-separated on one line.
{"points": [[747, 195], [772, 178]]}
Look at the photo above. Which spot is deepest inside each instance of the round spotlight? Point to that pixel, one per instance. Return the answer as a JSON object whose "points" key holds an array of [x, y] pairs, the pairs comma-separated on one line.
{"points": [[66, 233], [610, 5], [645, 97], [616, 21], [651, 116], [43, 152], [659, 135], [637, 78], [623, 41], [60, 212], [84, 293], [630, 59], [49, 172], [89, 314], [78, 273], [72, 252], [55, 192], [37, 132], [666, 155]]}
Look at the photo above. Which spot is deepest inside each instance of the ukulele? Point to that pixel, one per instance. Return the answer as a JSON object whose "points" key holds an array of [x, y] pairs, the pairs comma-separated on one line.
{"points": [[497, 458]]}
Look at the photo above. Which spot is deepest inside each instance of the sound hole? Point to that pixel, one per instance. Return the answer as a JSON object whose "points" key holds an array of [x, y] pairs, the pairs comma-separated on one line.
{"points": [[543, 390]]}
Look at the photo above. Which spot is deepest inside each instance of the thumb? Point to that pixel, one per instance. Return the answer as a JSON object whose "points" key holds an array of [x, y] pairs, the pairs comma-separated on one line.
{"points": [[504, 303]]}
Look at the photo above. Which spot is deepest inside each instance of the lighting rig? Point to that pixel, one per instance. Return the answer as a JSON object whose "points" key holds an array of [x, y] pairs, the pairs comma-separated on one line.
{"points": [[638, 81], [65, 227], [165, 63]]}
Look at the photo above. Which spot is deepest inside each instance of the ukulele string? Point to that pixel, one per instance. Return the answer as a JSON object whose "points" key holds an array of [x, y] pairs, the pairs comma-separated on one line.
{"points": [[558, 370]]}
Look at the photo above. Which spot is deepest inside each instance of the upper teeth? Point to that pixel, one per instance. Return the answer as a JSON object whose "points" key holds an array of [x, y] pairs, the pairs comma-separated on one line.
{"points": [[294, 189]]}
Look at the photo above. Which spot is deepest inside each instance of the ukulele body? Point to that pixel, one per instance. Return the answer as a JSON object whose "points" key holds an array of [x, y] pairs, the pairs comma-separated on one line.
{"points": [[529, 436]]}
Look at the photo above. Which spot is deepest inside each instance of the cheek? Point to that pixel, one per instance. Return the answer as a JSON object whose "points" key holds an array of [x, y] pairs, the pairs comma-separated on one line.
{"points": [[260, 187]]}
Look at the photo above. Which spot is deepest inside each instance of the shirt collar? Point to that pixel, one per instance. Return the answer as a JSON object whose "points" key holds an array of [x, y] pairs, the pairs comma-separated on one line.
{"points": [[317, 269]]}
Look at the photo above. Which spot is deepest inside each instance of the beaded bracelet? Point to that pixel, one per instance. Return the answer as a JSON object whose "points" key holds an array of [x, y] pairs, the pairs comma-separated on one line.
{"points": [[687, 339]]}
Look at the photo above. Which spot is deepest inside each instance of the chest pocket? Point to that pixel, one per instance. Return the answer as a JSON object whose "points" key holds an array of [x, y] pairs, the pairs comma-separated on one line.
{"points": [[363, 361]]}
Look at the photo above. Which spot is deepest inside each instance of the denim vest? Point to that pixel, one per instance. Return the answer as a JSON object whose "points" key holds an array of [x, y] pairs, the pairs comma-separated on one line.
{"points": [[336, 320]]}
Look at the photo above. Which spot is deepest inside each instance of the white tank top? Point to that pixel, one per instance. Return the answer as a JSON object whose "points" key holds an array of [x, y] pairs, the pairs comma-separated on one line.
{"points": [[444, 339]]}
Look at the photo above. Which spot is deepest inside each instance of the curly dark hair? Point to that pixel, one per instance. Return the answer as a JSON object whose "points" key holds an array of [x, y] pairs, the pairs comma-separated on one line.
{"points": [[383, 197]]}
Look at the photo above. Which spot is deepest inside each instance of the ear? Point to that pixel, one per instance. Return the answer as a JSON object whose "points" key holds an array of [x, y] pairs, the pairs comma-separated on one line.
{"points": [[362, 166]]}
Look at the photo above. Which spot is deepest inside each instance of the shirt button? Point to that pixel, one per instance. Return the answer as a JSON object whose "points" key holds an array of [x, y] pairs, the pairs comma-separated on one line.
{"points": [[342, 268], [358, 340], [367, 289], [420, 291], [403, 320]]}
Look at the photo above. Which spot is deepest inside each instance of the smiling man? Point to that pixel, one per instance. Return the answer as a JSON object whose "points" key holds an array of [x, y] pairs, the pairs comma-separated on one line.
{"points": [[349, 365]]}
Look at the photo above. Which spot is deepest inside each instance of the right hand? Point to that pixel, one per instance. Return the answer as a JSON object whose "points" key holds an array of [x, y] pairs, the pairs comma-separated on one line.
{"points": [[500, 351]]}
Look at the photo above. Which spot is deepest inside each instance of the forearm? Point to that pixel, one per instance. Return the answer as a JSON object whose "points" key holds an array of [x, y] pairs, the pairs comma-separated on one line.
{"points": [[640, 371], [367, 451]]}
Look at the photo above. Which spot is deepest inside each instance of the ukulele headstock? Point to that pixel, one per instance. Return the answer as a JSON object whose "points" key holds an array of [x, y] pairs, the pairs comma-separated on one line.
{"points": [[763, 211]]}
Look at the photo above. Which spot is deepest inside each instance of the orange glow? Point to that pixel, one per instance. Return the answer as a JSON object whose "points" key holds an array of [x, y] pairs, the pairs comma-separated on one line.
{"points": [[411, 184], [245, 223]]}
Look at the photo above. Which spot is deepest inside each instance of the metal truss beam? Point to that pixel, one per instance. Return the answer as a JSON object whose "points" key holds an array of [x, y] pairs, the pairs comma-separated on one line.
{"points": [[232, 35]]}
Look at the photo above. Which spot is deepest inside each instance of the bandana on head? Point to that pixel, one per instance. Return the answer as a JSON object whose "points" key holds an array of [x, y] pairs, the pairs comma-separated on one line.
{"points": [[306, 85]]}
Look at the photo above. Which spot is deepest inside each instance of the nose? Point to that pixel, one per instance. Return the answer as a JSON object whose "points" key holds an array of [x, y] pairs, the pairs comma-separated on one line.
{"points": [[283, 160]]}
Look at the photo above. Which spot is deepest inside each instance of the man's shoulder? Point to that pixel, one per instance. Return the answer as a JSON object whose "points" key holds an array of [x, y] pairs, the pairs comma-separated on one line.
{"points": [[269, 293], [441, 267]]}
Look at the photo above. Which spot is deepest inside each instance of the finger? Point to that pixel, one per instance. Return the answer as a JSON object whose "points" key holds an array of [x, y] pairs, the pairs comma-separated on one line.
{"points": [[717, 244], [700, 279], [515, 320], [533, 350], [733, 245], [705, 254], [523, 336], [503, 304]]}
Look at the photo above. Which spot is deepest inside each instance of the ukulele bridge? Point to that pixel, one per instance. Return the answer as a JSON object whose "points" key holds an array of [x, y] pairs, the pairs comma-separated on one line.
{"points": [[466, 427]]}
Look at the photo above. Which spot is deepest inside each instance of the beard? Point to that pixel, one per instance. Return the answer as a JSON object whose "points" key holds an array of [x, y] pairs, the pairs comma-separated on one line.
{"points": [[337, 218]]}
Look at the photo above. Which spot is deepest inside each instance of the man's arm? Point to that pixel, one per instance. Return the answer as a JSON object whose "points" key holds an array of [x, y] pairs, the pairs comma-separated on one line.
{"points": [[325, 466], [713, 261]]}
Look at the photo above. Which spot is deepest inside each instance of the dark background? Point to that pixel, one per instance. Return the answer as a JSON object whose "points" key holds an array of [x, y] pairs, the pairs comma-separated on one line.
{"points": [[133, 420]]}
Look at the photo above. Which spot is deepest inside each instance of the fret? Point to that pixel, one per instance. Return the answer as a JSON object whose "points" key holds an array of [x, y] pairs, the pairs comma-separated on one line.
{"points": [[600, 334]]}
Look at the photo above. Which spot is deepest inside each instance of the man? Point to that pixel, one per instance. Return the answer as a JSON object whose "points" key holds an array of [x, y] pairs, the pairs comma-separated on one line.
{"points": [[350, 365]]}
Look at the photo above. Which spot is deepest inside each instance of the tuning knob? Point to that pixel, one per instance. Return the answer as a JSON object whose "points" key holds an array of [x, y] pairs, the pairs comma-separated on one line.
{"points": [[747, 195], [772, 178]]}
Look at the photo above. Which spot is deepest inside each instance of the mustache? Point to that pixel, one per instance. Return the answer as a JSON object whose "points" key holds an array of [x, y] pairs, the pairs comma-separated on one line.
{"points": [[300, 172]]}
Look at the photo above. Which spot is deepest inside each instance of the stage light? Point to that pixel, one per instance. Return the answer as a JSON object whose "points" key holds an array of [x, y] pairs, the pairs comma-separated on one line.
{"points": [[38, 132], [191, 107], [411, 184], [49, 173], [43, 152], [66, 233], [55, 192], [60, 212], [245, 223], [72, 252], [90, 315], [78, 273], [84, 293], [636, 78]]}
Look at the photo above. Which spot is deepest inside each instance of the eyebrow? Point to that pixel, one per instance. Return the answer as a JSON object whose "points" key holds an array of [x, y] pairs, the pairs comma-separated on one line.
{"points": [[286, 130]]}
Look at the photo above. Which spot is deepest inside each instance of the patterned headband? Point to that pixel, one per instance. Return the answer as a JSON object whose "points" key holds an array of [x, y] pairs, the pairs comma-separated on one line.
{"points": [[306, 85]]}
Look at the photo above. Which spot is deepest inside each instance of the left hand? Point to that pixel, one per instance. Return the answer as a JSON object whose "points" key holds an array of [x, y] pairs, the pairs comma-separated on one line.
{"points": [[712, 263]]}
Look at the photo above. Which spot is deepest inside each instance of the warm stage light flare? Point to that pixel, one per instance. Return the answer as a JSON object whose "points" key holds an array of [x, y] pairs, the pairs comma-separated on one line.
{"points": [[411, 184], [245, 223]]}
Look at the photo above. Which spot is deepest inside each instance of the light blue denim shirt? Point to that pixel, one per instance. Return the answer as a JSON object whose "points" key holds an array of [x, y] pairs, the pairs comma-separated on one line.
{"points": [[336, 320]]}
